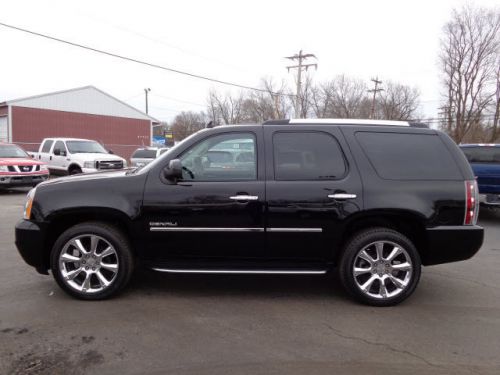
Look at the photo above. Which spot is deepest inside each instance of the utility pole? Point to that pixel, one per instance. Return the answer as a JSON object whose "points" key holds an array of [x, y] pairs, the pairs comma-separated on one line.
{"points": [[300, 57], [375, 90], [147, 91]]}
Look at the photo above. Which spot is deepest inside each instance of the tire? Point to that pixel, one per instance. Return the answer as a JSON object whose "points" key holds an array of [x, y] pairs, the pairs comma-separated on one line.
{"points": [[74, 170], [380, 280], [92, 274]]}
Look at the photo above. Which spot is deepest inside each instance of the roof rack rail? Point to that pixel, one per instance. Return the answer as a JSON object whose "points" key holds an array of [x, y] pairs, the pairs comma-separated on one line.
{"points": [[331, 121]]}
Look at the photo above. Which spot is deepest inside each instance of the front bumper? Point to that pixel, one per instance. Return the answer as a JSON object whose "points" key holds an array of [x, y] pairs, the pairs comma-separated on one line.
{"points": [[30, 238], [452, 243], [22, 180]]}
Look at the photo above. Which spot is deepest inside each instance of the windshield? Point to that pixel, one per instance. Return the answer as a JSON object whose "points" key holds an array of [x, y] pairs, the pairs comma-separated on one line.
{"points": [[12, 151], [144, 153], [77, 147], [482, 154]]}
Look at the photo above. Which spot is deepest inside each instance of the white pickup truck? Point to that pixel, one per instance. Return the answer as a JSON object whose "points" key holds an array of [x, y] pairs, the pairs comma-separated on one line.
{"points": [[73, 156]]}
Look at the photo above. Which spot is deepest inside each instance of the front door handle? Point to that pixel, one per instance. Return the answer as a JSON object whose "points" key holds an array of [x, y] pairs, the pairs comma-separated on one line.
{"points": [[342, 196], [244, 197]]}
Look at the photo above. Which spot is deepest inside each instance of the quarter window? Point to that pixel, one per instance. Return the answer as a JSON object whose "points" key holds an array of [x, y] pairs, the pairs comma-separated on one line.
{"points": [[307, 156], [221, 158]]}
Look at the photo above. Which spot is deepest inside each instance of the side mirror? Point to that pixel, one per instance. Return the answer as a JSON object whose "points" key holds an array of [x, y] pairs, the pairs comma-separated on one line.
{"points": [[63, 153], [173, 172], [110, 152], [57, 152]]}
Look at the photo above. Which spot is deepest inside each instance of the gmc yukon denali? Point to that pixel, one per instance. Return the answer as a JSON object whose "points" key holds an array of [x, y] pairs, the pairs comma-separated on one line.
{"points": [[373, 200]]}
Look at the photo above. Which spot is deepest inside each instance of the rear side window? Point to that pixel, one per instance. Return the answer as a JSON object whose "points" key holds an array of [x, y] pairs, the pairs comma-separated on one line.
{"points": [[482, 154], [146, 154], [47, 145], [398, 156], [307, 156]]}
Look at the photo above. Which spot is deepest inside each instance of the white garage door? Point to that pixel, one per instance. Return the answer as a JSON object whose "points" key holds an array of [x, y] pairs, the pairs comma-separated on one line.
{"points": [[3, 129]]}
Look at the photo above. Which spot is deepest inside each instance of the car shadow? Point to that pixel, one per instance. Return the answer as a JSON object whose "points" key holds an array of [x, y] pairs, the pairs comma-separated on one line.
{"points": [[152, 283], [489, 215], [15, 191]]}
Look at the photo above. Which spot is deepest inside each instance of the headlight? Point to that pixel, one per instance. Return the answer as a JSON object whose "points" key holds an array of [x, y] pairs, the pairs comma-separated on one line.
{"points": [[89, 164], [29, 204], [4, 168], [124, 163]]}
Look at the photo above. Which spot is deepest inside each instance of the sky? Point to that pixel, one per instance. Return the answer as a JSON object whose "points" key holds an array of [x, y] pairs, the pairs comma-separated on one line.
{"points": [[234, 41]]}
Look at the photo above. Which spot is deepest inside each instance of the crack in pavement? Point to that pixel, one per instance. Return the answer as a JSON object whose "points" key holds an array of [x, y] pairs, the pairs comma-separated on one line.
{"points": [[381, 344], [464, 279]]}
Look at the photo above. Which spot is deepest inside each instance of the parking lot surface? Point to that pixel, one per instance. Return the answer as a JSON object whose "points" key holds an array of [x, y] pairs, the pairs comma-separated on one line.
{"points": [[185, 324]]}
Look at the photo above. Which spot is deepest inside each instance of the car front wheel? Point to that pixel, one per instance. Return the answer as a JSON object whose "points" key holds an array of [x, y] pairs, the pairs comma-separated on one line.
{"points": [[92, 261], [380, 267]]}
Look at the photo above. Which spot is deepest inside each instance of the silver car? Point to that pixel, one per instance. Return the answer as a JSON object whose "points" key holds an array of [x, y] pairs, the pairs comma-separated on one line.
{"points": [[146, 155]]}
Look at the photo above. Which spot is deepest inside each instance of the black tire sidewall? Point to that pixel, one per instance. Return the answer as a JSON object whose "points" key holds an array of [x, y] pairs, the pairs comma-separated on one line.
{"points": [[110, 234], [358, 242]]}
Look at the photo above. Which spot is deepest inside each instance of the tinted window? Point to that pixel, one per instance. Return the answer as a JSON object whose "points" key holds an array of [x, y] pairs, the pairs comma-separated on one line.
{"points": [[214, 159], [397, 156], [482, 154], [307, 156], [146, 154], [46, 146], [59, 146], [163, 150]]}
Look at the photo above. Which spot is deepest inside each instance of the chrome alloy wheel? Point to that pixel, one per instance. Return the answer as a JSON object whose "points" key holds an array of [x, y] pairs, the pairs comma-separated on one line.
{"points": [[382, 269], [88, 263]]}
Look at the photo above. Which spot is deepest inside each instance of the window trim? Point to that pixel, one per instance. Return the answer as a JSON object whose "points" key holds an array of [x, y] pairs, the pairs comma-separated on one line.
{"points": [[346, 164], [256, 143]]}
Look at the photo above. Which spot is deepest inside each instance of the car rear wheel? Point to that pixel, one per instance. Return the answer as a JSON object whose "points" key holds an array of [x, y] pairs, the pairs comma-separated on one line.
{"points": [[380, 267], [92, 261]]}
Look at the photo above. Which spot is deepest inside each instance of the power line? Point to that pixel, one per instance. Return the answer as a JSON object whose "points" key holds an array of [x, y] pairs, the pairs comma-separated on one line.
{"points": [[142, 62], [179, 100]]}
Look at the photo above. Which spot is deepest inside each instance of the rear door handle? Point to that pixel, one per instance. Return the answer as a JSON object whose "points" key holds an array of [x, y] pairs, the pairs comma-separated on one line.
{"points": [[244, 197], [342, 196]]}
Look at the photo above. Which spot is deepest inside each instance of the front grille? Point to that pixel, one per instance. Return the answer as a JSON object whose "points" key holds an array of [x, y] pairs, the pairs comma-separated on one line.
{"points": [[112, 164], [21, 168]]}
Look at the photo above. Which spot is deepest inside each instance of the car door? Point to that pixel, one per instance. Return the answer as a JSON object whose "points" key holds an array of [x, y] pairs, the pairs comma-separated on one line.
{"points": [[216, 212], [59, 157], [44, 154], [312, 187]]}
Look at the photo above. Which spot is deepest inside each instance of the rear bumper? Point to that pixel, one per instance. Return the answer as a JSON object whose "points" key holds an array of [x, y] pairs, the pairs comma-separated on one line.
{"points": [[452, 243], [490, 199], [30, 238], [22, 180]]}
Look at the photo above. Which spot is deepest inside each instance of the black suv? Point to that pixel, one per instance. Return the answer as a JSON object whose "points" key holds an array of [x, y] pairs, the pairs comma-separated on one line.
{"points": [[373, 199]]}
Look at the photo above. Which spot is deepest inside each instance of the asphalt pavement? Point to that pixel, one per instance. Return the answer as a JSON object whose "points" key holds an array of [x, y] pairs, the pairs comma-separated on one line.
{"points": [[194, 324]]}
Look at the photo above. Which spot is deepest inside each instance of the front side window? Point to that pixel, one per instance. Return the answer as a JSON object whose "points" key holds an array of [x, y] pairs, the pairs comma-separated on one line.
{"points": [[217, 159], [59, 146], [307, 156]]}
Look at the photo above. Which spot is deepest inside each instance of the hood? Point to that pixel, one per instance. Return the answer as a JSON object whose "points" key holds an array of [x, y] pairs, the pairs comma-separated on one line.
{"points": [[96, 156], [86, 177], [19, 161]]}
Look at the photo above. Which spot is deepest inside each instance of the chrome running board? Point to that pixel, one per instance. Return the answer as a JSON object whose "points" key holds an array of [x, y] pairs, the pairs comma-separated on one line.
{"points": [[248, 272]]}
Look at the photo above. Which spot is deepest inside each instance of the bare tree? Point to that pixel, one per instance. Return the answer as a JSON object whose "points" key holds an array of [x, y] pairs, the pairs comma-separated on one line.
{"points": [[398, 102], [494, 131], [187, 123], [469, 61], [225, 108]]}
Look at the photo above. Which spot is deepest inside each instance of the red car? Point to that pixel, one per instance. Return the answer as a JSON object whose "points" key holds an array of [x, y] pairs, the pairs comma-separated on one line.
{"points": [[17, 168]]}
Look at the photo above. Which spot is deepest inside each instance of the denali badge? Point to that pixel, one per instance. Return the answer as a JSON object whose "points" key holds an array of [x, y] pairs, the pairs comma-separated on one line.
{"points": [[162, 224]]}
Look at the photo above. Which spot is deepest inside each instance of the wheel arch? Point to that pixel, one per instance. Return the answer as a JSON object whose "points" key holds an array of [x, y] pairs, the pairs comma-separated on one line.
{"points": [[60, 222], [409, 223]]}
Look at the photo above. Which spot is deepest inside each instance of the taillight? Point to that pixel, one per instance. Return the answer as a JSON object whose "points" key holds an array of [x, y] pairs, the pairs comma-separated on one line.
{"points": [[471, 203]]}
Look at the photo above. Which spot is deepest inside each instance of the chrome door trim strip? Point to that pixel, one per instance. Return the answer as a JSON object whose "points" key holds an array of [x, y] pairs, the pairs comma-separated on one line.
{"points": [[218, 229], [296, 230], [248, 272], [203, 229]]}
